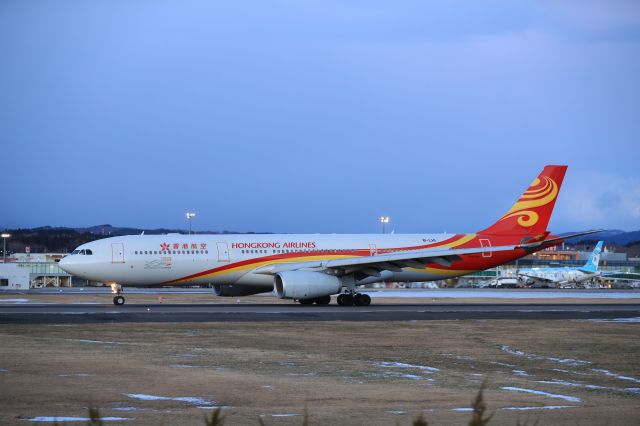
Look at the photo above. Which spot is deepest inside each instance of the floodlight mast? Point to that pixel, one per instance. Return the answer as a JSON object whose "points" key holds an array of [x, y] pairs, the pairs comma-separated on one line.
{"points": [[190, 215]]}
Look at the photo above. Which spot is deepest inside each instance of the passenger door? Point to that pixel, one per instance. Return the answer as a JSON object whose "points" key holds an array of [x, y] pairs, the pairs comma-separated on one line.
{"points": [[117, 252], [223, 251], [486, 243]]}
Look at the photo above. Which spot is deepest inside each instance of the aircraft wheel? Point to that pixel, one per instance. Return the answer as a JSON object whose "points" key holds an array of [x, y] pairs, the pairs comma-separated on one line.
{"points": [[345, 299], [118, 300], [324, 300], [306, 301], [362, 299]]}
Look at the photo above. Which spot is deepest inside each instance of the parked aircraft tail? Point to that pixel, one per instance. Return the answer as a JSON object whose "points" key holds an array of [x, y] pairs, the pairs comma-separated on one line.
{"points": [[592, 264], [530, 215]]}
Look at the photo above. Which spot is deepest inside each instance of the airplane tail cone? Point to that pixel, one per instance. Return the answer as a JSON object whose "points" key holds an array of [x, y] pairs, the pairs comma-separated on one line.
{"points": [[530, 215]]}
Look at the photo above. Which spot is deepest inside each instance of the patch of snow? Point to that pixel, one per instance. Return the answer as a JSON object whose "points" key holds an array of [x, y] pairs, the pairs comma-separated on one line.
{"points": [[610, 374], [566, 361], [404, 376], [14, 300], [285, 415], [543, 407], [461, 357], [397, 412], [214, 407], [504, 364], [624, 320], [193, 400], [389, 364], [633, 390], [75, 375], [95, 341], [3, 370], [537, 392], [461, 409], [571, 384], [75, 419], [519, 373]]}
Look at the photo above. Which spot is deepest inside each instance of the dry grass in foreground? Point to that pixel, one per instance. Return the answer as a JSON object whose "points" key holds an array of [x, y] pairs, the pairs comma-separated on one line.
{"points": [[479, 416]]}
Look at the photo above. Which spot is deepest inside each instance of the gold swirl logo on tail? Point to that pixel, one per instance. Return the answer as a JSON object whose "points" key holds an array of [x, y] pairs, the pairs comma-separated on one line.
{"points": [[538, 194]]}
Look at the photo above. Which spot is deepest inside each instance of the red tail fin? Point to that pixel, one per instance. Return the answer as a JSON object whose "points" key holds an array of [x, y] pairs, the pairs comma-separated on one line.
{"points": [[531, 213]]}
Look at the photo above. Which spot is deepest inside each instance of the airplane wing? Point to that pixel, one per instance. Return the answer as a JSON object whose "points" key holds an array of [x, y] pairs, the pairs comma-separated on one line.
{"points": [[373, 265]]}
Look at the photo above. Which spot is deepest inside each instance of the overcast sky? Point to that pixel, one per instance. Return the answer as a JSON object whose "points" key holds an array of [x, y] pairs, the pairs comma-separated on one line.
{"points": [[317, 116]]}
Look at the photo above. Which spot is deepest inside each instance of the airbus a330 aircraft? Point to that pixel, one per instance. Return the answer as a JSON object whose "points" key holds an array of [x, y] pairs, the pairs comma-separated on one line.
{"points": [[311, 268], [566, 274]]}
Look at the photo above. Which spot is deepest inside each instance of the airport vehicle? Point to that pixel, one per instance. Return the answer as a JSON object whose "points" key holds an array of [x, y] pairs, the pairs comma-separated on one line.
{"points": [[563, 275], [311, 268]]}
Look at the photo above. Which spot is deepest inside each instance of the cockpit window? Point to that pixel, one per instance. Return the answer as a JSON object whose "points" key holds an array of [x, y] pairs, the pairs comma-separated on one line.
{"points": [[85, 251]]}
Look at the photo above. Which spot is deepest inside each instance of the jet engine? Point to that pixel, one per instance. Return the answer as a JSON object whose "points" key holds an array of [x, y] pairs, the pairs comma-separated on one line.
{"points": [[233, 290], [305, 284]]}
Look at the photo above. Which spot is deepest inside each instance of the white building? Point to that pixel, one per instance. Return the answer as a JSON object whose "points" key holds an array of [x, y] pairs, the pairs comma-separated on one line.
{"points": [[13, 277]]}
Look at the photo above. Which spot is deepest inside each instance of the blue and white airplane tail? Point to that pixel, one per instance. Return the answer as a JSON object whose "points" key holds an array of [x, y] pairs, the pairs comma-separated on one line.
{"points": [[592, 264]]}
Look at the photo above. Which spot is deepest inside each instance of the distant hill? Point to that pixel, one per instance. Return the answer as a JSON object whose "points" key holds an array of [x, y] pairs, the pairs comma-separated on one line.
{"points": [[610, 236]]}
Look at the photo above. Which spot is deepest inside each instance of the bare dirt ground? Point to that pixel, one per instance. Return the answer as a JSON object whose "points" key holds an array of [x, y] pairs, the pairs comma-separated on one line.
{"points": [[343, 372]]}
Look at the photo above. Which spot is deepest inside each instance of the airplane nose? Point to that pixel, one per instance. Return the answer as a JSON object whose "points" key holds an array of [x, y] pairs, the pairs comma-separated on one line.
{"points": [[67, 265]]}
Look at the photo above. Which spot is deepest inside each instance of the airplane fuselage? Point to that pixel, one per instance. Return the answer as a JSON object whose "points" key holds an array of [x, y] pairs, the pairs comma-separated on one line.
{"points": [[557, 275], [178, 259]]}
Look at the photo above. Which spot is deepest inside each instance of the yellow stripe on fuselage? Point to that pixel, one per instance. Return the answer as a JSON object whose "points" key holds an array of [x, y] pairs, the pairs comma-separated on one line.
{"points": [[254, 265]]}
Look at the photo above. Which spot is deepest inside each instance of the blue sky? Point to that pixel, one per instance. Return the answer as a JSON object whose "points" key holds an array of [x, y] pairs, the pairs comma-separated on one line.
{"points": [[317, 116]]}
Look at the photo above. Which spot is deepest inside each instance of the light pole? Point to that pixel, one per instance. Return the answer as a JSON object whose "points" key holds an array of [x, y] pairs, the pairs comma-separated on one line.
{"points": [[190, 215], [384, 220], [4, 246]]}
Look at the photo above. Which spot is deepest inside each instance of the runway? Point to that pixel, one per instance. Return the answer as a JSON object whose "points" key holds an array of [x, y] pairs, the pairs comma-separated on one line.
{"points": [[54, 313]]}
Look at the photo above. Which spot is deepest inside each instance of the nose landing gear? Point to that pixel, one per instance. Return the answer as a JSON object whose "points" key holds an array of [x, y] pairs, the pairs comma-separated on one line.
{"points": [[116, 289]]}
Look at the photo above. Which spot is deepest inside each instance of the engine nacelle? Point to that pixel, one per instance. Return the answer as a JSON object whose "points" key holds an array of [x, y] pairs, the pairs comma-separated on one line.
{"points": [[305, 284], [233, 290]]}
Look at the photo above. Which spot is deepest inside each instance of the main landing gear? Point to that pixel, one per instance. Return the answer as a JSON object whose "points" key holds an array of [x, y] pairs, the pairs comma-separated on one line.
{"points": [[344, 299], [118, 299], [358, 299]]}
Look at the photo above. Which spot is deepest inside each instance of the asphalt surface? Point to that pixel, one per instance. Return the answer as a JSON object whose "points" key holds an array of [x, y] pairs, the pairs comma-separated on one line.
{"points": [[32, 313]]}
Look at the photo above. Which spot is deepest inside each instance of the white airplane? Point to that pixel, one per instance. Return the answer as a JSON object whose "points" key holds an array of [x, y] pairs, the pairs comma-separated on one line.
{"points": [[311, 268], [563, 275]]}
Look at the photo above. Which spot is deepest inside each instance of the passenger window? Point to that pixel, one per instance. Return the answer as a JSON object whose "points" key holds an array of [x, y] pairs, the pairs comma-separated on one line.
{"points": [[88, 252]]}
